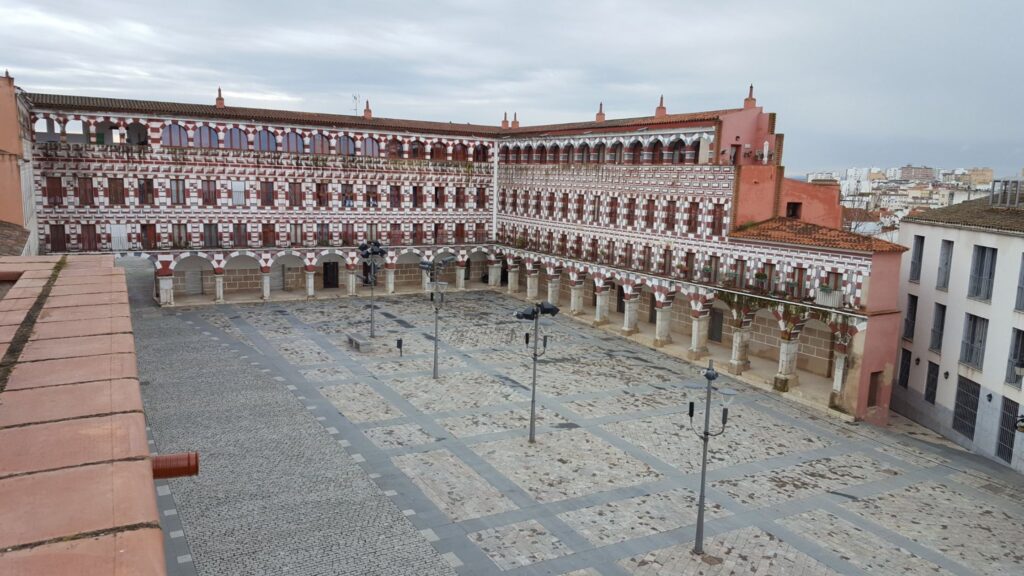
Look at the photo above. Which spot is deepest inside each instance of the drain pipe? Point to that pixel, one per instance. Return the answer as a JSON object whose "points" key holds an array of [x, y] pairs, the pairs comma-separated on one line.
{"points": [[175, 465]]}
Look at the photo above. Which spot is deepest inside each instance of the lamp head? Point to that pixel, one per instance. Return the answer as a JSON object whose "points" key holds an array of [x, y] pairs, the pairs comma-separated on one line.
{"points": [[548, 309], [363, 247], [526, 314]]}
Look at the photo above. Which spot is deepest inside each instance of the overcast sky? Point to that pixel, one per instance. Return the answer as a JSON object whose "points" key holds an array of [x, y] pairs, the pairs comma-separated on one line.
{"points": [[855, 83]]}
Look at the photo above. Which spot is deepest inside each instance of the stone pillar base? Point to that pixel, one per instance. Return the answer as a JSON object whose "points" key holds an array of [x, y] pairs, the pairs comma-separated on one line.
{"points": [[601, 322], [628, 331], [660, 342], [785, 382], [696, 354], [737, 367]]}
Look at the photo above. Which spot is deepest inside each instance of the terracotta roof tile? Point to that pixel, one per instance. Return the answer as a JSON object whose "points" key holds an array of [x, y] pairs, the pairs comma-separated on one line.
{"points": [[976, 214], [798, 232]]}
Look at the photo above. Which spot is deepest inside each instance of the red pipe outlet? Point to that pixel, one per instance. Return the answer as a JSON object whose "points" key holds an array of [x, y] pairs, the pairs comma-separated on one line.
{"points": [[175, 465]]}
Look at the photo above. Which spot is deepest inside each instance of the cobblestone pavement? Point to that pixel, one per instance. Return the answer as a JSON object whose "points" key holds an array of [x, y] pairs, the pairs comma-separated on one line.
{"points": [[321, 460]]}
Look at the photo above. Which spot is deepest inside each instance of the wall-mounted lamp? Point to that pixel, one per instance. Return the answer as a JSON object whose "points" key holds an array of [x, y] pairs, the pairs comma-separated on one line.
{"points": [[945, 375], [989, 396], [917, 361]]}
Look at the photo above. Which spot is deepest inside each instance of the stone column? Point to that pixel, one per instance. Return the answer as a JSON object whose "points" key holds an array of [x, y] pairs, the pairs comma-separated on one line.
{"points": [[532, 277], [630, 304], [166, 284], [460, 277], [601, 307], [699, 337], [786, 377], [310, 283], [425, 280], [513, 280], [838, 373], [554, 288], [576, 299], [662, 324], [352, 282], [739, 361], [218, 288], [266, 285], [494, 275], [389, 280]]}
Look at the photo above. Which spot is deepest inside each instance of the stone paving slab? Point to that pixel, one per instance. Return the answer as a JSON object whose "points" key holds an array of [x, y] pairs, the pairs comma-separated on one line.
{"points": [[519, 544], [452, 485]]}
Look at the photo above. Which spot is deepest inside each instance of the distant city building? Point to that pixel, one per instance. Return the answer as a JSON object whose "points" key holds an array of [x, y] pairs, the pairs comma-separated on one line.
{"points": [[918, 173], [962, 293]]}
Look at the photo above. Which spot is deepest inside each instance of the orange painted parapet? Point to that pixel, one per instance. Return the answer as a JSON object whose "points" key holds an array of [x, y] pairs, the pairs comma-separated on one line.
{"points": [[175, 465]]}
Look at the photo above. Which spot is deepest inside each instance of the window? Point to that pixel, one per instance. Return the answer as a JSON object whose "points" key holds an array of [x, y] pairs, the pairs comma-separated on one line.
{"points": [[295, 194], [417, 233], [693, 217], [1020, 286], [211, 237], [910, 320], [292, 142], [417, 196], [115, 191], [318, 144], [1007, 429], [565, 207], [1015, 358], [769, 277], [481, 200], [268, 235], [394, 150], [613, 211], [176, 188], [179, 235], [58, 241], [460, 233], [239, 236], [459, 153], [347, 146], [965, 411], [670, 216], [972, 349], [480, 154], [266, 141], [295, 234], [417, 151], [146, 194], [584, 154], [717, 219], [372, 197], [649, 213], [794, 209], [741, 273], [323, 195], [147, 236], [174, 135], [348, 234], [460, 197], [54, 191], [88, 238], [236, 139], [904, 378], [797, 288], [395, 197], [206, 137], [238, 193], [323, 234], [86, 196], [916, 253], [371, 148], [438, 152], [631, 212], [348, 197], [371, 233], [439, 197], [439, 237], [983, 271], [636, 153], [711, 269], [266, 194], [208, 188], [945, 264], [938, 327], [931, 383]]}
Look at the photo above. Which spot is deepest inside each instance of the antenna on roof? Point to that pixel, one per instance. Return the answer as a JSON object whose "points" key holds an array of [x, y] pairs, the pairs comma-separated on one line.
{"points": [[355, 104]]}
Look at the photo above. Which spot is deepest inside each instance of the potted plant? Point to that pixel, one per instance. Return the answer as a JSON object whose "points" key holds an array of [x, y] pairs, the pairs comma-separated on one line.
{"points": [[825, 288]]}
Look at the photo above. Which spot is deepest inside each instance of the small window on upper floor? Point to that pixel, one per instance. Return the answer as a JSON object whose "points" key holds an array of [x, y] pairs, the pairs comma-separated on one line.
{"points": [[318, 144], [205, 137], [266, 141], [479, 153], [236, 139], [292, 143], [347, 146], [794, 209], [174, 135]]}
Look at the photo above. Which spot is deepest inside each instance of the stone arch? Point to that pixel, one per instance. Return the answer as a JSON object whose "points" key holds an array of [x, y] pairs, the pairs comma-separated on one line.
{"points": [[137, 135], [106, 132], [815, 353]]}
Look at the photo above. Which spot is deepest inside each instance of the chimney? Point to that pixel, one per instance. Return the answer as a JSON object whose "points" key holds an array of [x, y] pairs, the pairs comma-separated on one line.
{"points": [[515, 120], [660, 110], [600, 113], [504, 121], [750, 101], [367, 113], [220, 98]]}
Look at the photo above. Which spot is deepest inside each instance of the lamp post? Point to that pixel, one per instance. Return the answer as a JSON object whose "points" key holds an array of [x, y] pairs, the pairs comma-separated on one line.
{"points": [[437, 290], [534, 313], [372, 254], [710, 375]]}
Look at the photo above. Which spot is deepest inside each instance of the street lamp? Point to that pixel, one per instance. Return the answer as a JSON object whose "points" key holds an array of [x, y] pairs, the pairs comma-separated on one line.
{"points": [[437, 290], [710, 375], [372, 254], [534, 313]]}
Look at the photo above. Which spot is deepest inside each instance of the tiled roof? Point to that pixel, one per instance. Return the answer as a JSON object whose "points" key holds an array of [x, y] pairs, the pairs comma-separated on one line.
{"points": [[798, 232], [976, 214], [12, 239], [234, 113]]}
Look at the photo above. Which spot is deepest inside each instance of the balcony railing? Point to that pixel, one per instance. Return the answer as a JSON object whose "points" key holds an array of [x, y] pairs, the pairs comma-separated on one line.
{"points": [[972, 355], [909, 324], [1012, 377], [915, 270], [832, 298], [1020, 298], [980, 287], [936, 340]]}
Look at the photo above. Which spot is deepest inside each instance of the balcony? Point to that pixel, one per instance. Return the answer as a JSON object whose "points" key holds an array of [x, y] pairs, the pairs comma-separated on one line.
{"points": [[830, 298], [972, 355]]}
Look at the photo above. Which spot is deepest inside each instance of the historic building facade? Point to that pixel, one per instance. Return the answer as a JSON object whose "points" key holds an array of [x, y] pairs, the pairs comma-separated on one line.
{"points": [[684, 223]]}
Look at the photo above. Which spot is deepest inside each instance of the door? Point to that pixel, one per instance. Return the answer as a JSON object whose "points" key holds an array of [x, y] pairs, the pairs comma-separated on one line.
{"points": [[620, 300], [715, 325], [277, 278], [652, 312], [330, 274], [119, 237], [58, 240], [193, 282]]}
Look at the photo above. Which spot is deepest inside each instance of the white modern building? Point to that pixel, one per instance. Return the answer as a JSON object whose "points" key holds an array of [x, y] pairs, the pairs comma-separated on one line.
{"points": [[962, 293]]}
